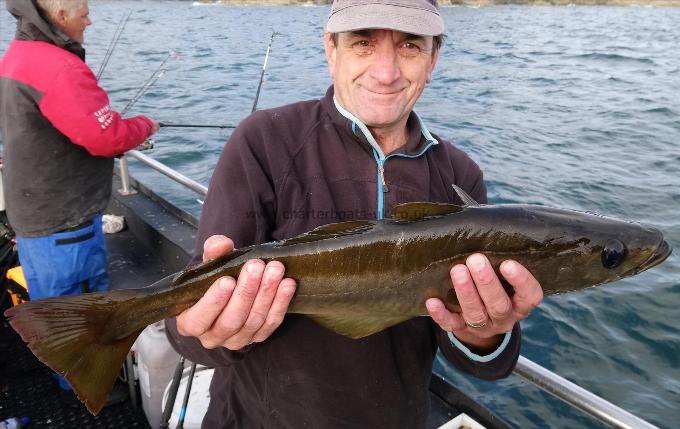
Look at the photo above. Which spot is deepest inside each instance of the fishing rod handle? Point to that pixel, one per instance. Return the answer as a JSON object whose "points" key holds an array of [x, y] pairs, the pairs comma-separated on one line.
{"points": [[172, 395]]}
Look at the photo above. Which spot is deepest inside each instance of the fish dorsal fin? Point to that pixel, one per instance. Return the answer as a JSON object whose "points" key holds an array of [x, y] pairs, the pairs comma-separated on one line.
{"points": [[465, 197], [208, 266], [357, 326], [418, 211], [332, 230]]}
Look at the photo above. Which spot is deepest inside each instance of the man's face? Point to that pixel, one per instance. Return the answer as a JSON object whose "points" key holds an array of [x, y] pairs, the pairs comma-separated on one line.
{"points": [[379, 74], [73, 23]]}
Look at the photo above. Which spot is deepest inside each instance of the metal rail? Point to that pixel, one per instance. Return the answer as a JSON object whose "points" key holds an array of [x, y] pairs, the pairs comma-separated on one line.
{"points": [[578, 397], [560, 387], [162, 168]]}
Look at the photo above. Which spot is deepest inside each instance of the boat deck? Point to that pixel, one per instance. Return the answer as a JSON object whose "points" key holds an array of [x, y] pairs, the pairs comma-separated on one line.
{"points": [[28, 389]]}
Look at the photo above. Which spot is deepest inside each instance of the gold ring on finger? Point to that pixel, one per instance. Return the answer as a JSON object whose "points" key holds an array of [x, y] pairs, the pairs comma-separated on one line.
{"points": [[475, 325]]}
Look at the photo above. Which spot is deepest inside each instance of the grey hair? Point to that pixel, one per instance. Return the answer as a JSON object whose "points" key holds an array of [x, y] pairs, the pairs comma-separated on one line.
{"points": [[52, 6]]}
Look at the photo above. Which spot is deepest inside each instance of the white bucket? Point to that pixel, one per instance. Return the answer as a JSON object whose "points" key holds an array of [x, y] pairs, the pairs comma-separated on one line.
{"points": [[156, 362]]}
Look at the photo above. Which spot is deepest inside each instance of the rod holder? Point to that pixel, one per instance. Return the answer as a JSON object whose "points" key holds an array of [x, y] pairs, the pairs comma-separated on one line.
{"points": [[125, 177]]}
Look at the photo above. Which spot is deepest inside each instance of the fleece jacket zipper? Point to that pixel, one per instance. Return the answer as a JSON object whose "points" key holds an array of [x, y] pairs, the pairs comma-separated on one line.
{"points": [[378, 154]]}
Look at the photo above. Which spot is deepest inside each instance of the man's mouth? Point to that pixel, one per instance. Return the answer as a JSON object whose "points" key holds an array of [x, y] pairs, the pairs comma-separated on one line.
{"points": [[382, 91]]}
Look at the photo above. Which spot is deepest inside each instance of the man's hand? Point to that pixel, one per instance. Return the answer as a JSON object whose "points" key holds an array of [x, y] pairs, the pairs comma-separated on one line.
{"points": [[154, 127], [486, 310], [236, 313]]}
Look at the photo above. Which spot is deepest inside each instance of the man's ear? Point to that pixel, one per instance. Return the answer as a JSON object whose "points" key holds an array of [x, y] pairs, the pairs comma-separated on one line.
{"points": [[60, 16], [331, 51], [433, 62]]}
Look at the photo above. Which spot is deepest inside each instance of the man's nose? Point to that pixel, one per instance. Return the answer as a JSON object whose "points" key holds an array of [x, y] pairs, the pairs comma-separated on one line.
{"points": [[385, 66]]}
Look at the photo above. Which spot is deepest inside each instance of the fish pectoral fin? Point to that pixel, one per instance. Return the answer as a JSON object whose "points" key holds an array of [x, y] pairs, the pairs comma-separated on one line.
{"points": [[411, 212], [332, 230], [357, 326]]}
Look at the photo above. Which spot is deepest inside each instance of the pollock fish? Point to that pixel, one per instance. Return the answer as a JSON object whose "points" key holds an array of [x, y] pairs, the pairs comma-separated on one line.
{"points": [[355, 278]]}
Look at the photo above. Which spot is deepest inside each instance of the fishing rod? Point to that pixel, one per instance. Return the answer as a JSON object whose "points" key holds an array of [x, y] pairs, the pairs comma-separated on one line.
{"points": [[126, 190], [172, 394], [147, 85], [257, 95], [113, 43], [167, 125], [264, 67], [185, 402]]}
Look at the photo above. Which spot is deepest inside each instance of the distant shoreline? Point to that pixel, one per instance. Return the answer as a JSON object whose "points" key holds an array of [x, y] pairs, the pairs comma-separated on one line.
{"points": [[475, 3]]}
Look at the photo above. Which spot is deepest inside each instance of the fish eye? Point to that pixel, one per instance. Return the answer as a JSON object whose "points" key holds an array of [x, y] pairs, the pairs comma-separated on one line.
{"points": [[613, 253]]}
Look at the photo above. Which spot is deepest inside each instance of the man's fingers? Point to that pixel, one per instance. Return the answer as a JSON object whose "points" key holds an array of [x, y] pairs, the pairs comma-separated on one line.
{"points": [[199, 318], [272, 276], [496, 300], [278, 309], [528, 291], [234, 316], [448, 321], [216, 246], [471, 304]]}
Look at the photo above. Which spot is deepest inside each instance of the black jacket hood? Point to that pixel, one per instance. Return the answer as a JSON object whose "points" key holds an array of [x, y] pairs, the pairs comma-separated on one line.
{"points": [[33, 25]]}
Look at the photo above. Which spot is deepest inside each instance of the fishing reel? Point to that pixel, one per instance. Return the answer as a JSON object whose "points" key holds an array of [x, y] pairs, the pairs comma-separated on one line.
{"points": [[146, 145]]}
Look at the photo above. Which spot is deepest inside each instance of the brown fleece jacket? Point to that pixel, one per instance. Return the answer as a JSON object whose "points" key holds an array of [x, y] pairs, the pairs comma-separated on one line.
{"points": [[286, 171]]}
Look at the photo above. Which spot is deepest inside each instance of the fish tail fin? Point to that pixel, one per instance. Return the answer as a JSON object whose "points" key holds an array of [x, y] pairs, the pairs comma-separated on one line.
{"points": [[72, 335]]}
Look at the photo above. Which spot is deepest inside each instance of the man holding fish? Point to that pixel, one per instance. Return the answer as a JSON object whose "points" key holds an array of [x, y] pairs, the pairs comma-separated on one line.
{"points": [[353, 155]]}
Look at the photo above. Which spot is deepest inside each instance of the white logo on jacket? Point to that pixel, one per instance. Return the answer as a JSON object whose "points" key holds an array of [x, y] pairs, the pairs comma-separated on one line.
{"points": [[104, 116]]}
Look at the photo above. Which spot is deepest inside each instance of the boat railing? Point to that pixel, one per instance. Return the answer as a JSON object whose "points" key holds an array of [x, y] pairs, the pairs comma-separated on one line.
{"points": [[561, 388], [158, 166], [578, 397]]}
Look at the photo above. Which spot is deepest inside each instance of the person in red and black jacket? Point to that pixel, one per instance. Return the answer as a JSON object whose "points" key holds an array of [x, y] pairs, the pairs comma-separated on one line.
{"points": [[60, 136]]}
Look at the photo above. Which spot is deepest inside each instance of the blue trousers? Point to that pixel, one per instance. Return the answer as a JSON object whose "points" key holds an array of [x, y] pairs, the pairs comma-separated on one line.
{"points": [[65, 263]]}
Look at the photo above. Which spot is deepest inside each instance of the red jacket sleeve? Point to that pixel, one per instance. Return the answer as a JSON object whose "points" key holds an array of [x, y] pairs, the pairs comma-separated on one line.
{"points": [[76, 105]]}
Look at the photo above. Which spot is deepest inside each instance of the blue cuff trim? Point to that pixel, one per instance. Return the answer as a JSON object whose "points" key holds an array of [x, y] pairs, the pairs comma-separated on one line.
{"points": [[475, 357]]}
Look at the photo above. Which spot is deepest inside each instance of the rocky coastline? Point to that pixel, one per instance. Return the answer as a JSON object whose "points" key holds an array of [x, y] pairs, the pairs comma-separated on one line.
{"points": [[472, 3]]}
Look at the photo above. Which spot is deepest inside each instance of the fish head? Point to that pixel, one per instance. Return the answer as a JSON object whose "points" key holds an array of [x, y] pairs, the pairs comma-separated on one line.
{"points": [[583, 249], [629, 249]]}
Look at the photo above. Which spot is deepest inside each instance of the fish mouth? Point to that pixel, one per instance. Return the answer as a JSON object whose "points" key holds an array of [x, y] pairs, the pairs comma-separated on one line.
{"points": [[663, 251]]}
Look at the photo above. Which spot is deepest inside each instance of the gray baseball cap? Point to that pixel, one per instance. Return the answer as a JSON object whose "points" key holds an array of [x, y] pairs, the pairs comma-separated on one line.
{"points": [[409, 16]]}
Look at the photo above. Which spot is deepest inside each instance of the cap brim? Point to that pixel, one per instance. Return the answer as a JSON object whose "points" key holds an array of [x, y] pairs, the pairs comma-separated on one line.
{"points": [[387, 17]]}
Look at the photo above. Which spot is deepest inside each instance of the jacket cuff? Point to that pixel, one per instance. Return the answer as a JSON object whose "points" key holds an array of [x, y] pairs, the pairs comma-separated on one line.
{"points": [[480, 358], [191, 348]]}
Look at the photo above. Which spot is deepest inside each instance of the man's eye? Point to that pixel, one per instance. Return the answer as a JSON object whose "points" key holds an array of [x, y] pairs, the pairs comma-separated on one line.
{"points": [[363, 47], [409, 49]]}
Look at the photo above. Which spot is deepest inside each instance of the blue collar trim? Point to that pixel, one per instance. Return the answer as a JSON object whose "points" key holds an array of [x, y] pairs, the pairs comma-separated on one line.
{"points": [[356, 123]]}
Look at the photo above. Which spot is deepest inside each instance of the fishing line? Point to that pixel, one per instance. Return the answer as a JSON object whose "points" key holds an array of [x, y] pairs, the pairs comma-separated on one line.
{"points": [[113, 43], [168, 125]]}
